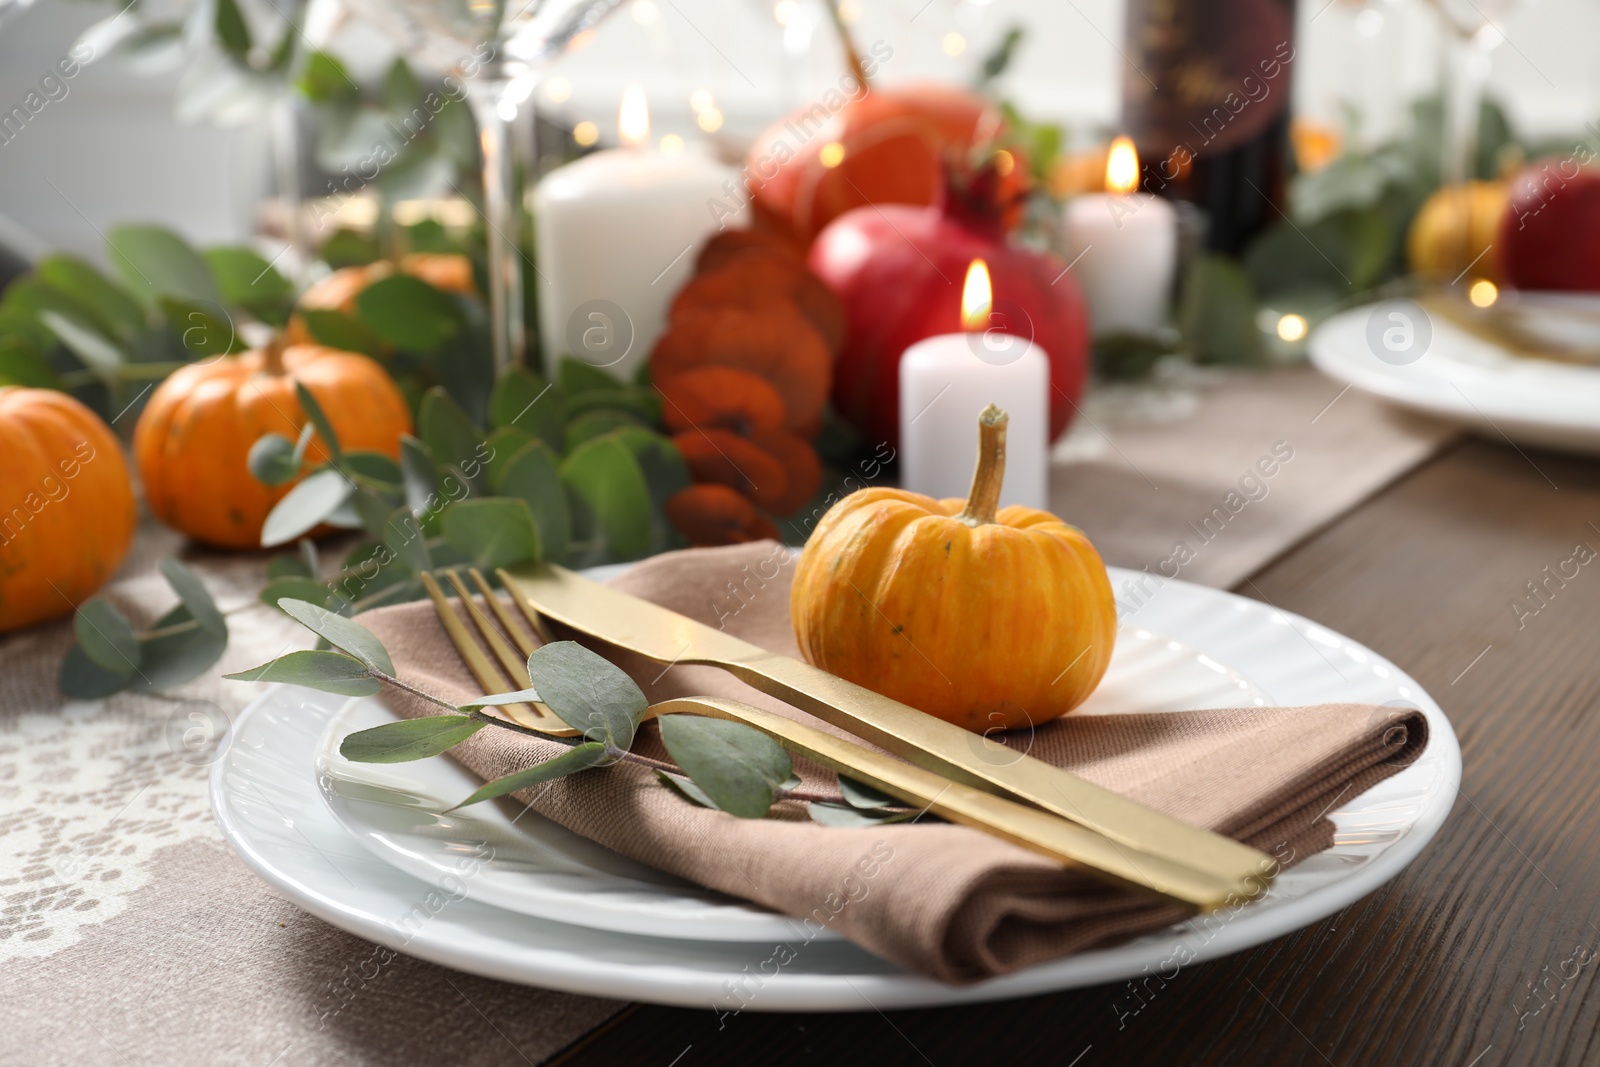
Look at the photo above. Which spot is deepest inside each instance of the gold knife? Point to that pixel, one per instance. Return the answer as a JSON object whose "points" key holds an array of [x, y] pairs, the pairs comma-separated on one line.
{"points": [[1202, 869]]}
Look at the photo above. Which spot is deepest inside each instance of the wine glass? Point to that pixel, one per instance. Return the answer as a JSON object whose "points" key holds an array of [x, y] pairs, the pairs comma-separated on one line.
{"points": [[497, 48], [1474, 34]]}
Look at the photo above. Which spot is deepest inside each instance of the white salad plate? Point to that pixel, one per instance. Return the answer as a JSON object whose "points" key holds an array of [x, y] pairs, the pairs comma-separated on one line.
{"points": [[1468, 380], [519, 899]]}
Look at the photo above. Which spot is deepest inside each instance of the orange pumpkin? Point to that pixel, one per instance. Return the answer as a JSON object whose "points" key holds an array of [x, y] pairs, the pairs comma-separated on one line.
{"points": [[991, 619], [68, 510], [193, 441]]}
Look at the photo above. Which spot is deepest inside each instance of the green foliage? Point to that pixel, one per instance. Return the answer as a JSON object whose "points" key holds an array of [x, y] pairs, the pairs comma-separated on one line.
{"points": [[587, 692], [738, 768], [112, 654], [331, 672], [578, 758], [409, 739]]}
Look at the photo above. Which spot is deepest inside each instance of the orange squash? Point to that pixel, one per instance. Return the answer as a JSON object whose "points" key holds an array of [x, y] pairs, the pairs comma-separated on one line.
{"points": [[991, 619], [68, 510], [193, 441]]}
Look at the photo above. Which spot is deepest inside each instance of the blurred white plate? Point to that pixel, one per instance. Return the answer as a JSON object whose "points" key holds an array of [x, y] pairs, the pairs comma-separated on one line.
{"points": [[1472, 381], [266, 797]]}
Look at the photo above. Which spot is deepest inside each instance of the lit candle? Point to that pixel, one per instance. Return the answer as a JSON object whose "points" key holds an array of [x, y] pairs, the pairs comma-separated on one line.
{"points": [[946, 381], [1123, 247], [619, 230]]}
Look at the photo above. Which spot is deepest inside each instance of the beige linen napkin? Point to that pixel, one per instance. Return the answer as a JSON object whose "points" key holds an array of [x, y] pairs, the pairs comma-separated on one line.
{"points": [[941, 899]]}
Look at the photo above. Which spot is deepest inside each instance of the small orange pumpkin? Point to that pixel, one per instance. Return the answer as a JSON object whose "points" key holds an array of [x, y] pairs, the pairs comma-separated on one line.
{"points": [[193, 441], [988, 619], [69, 513]]}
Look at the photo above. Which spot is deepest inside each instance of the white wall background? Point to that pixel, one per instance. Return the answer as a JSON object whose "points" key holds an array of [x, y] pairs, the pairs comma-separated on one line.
{"points": [[111, 151]]}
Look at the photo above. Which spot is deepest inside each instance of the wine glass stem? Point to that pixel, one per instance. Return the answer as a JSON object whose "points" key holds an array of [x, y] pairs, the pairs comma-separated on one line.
{"points": [[1468, 75], [495, 114]]}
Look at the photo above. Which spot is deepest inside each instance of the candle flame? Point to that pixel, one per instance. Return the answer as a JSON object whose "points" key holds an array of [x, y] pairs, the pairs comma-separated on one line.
{"points": [[977, 297], [633, 118], [1122, 167]]}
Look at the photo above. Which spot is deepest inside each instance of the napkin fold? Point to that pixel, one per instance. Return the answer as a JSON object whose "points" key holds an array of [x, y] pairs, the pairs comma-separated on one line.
{"points": [[944, 900]]}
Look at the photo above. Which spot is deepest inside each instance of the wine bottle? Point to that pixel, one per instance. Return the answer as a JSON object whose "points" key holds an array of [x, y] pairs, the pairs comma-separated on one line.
{"points": [[1206, 100]]}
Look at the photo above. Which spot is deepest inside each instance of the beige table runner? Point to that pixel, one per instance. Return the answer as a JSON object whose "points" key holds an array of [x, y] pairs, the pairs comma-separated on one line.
{"points": [[129, 933]]}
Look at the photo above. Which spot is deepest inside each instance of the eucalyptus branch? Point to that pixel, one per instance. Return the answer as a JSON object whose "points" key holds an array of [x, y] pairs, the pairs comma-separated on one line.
{"points": [[414, 691], [191, 624]]}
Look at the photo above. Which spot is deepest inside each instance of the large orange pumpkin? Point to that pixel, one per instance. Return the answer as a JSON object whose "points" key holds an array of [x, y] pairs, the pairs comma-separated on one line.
{"points": [[193, 441], [991, 619], [68, 510]]}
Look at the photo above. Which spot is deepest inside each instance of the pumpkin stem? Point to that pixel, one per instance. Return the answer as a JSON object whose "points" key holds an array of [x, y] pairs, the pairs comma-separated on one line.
{"points": [[852, 58], [272, 356], [984, 498]]}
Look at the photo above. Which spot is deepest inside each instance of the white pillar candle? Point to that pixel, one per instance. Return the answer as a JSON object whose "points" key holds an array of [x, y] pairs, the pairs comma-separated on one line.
{"points": [[620, 229], [945, 381], [1123, 247]]}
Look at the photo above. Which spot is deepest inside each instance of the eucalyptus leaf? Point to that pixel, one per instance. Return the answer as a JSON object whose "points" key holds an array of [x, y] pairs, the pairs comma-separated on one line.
{"points": [[376, 468], [686, 788], [175, 658], [194, 596], [293, 565], [231, 31], [578, 758], [1217, 313], [272, 461], [597, 423], [533, 476], [155, 262], [523, 399], [297, 587], [325, 80], [81, 678], [410, 739], [504, 442], [200, 329], [494, 532], [112, 309], [418, 473], [451, 437], [611, 500], [85, 342], [249, 281], [341, 633], [330, 672], [575, 376], [373, 511], [500, 700], [106, 636], [840, 815], [404, 536], [313, 409], [588, 692], [409, 313], [738, 767], [305, 507], [337, 330], [635, 402], [859, 795], [21, 364]]}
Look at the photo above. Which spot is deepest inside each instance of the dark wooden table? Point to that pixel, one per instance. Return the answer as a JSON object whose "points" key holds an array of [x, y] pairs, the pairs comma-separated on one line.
{"points": [[1482, 953]]}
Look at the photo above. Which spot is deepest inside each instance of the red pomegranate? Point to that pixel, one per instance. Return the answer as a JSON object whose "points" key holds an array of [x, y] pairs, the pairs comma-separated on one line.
{"points": [[1550, 234], [889, 146], [899, 271]]}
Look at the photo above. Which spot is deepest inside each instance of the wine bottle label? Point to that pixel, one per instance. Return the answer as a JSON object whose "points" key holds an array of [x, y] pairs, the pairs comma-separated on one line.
{"points": [[1204, 76]]}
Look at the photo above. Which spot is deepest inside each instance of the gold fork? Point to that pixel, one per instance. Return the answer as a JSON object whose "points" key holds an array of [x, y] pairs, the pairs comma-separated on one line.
{"points": [[1033, 829]]}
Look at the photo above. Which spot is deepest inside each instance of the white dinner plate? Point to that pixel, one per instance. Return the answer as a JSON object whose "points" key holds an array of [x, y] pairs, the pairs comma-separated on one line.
{"points": [[532, 865], [266, 797], [1471, 381]]}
